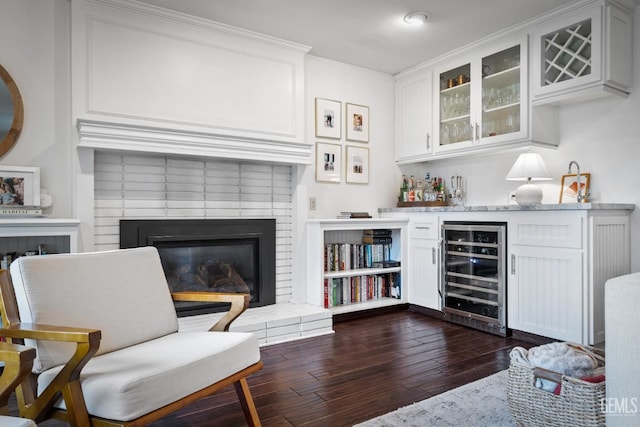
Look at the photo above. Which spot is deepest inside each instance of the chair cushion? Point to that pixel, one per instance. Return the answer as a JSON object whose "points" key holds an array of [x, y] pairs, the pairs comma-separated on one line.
{"points": [[6, 421], [124, 293], [164, 370]]}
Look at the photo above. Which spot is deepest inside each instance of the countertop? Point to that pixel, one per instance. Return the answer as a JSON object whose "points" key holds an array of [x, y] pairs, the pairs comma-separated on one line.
{"points": [[494, 208]]}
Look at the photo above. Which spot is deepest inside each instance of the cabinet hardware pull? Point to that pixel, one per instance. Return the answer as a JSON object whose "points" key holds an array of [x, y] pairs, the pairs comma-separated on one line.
{"points": [[423, 227], [477, 132], [428, 142], [513, 264], [433, 256]]}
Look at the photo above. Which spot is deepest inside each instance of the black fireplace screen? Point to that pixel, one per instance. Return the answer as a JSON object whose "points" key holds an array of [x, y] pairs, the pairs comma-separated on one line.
{"points": [[210, 255]]}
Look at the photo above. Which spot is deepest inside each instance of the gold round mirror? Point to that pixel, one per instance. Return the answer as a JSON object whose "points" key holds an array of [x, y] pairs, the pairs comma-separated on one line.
{"points": [[11, 112]]}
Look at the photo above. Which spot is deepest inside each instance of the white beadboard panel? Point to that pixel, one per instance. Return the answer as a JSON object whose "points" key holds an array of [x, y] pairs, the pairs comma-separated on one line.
{"points": [[133, 186], [610, 258]]}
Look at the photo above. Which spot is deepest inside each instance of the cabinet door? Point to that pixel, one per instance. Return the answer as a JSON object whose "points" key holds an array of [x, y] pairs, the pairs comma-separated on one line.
{"points": [[566, 52], [454, 128], [484, 101], [545, 293], [504, 103], [414, 117], [425, 262]]}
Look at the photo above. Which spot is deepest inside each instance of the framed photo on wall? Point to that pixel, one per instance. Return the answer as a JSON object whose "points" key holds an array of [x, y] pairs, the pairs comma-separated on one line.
{"points": [[357, 123], [328, 162], [328, 118], [19, 186], [357, 165], [569, 187]]}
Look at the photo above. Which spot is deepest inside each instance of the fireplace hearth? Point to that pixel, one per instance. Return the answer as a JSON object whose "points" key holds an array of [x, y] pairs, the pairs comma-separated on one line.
{"points": [[216, 255]]}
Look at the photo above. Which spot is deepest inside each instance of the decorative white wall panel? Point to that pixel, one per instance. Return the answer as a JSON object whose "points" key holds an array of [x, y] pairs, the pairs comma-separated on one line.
{"points": [[217, 90]]}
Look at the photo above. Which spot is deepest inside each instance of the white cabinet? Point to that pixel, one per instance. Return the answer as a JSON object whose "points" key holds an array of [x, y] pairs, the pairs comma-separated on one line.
{"points": [[353, 287], [482, 103], [582, 54], [483, 98], [414, 118], [558, 264], [424, 261]]}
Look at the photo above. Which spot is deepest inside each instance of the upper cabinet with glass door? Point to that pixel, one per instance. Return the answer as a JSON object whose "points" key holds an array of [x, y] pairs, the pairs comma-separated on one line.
{"points": [[484, 101], [582, 55]]}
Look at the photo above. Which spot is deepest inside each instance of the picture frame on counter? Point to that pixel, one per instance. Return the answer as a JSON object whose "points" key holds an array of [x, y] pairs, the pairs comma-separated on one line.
{"points": [[328, 118], [357, 165], [569, 187], [19, 186], [328, 162], [357, 122]]}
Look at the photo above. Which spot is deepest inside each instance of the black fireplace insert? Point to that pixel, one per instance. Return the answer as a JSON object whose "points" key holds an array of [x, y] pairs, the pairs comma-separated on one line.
{"points": [[216, 255]]}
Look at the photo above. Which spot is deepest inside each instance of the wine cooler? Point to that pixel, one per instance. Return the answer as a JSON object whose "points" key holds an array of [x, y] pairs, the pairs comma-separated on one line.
{"points": [[473, 288]]}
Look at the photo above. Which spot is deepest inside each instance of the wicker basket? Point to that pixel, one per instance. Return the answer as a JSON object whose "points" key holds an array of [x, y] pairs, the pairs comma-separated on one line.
{"points": [[577, 405]]}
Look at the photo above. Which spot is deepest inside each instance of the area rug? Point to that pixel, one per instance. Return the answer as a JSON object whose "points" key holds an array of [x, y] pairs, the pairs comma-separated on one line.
{"points": [[480, 403]]}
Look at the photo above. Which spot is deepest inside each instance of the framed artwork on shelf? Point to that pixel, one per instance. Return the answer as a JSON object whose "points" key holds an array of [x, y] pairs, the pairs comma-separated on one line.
{"points": [[357, 123], [569, 187], [357, 165], [328, 118], [19, 186], [328, 162]]}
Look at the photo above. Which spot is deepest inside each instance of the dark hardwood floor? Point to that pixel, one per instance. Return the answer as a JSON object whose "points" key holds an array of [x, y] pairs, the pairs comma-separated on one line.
{"points": [[370, 366]]}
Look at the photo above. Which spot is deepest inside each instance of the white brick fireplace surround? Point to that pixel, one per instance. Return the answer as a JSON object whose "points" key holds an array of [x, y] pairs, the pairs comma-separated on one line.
{"points": [[147, 186]]}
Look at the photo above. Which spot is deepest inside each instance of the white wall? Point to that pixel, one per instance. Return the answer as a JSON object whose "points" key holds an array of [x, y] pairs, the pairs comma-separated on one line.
{"points": [[34, 48], [346, 83]]}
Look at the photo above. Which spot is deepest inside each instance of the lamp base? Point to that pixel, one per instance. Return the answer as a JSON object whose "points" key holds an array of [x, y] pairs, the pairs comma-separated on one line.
{"points": [[528, 194]]}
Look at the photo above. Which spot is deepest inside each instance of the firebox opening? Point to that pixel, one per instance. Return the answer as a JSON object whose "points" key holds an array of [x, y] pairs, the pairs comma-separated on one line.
{"points": [[210, 255]]}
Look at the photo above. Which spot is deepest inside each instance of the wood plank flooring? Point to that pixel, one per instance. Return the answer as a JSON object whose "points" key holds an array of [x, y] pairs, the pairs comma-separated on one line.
{"points": [[370, 366]]}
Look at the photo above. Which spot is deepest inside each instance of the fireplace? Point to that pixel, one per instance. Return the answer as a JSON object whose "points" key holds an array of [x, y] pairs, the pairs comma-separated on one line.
{"points": [[216, 255]]}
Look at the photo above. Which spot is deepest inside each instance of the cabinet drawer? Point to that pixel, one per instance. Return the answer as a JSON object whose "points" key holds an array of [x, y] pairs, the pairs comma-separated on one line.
{"points": [[425, 229], [554, 231]]}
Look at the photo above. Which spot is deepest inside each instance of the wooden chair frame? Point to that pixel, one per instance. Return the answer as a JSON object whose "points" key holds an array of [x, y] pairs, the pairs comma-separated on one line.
{"points": [[18, 361], [67, 382]]}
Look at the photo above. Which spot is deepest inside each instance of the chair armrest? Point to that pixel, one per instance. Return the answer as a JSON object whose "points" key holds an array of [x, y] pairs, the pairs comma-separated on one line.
{"points": [[38, 331], [18, 361], [239, 303], [67, 380]]}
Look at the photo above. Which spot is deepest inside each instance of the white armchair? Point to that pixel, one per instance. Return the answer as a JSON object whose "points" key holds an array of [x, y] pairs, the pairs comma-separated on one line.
{"points": [[622, 346], [114, 354]]}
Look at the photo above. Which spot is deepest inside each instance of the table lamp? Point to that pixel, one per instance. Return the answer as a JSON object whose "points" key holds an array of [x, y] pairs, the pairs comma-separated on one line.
{"points": [[529, 167]]}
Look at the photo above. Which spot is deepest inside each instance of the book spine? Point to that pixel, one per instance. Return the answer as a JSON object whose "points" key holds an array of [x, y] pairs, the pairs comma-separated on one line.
{"points": [[19, 211]]}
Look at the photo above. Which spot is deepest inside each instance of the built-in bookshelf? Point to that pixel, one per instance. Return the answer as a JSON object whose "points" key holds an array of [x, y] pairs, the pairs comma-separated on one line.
{"points": [[36, 236], [356, 264]]}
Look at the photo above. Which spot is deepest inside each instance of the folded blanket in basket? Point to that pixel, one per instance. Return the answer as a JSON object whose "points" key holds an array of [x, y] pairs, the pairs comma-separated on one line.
{"points": [[558, 357]]}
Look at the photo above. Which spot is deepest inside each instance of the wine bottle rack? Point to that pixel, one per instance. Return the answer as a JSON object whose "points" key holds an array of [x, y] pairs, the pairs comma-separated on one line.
{"points": [[567, 53]]}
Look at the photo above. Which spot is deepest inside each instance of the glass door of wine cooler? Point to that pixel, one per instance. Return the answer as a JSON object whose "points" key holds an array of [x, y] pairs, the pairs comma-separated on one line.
{"points": [[474, 273]]}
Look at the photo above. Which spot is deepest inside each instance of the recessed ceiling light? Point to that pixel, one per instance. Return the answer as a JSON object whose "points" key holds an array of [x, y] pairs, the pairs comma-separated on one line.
{"points": [[415, 18]]}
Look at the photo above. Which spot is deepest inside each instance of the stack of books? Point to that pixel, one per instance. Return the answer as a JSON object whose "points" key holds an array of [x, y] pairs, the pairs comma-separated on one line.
{"points": [[8, 211], [352, 215]]}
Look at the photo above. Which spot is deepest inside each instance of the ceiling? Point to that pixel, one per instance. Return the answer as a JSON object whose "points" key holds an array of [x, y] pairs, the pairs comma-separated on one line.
{"points": [[369, 33]]}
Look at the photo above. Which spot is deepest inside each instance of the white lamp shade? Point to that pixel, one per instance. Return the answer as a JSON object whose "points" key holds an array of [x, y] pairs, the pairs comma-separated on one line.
{"points": [[529, 167]]}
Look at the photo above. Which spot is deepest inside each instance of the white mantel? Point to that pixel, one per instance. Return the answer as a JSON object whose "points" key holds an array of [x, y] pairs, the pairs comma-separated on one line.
{"points": [[184, 85]]}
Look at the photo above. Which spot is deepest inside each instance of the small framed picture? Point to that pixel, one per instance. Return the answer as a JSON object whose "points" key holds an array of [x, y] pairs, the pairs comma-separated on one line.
{"points": [[19, 186], [328, 162], [569, 187], [357, 123], [357, 165], [328, 118]]}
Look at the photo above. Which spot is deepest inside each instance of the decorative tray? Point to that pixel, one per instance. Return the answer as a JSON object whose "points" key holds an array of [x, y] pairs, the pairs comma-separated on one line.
{"points": [[421, 204]]}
